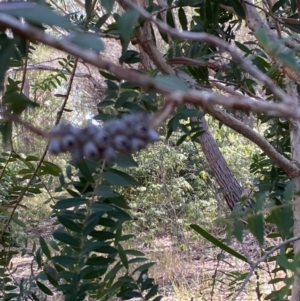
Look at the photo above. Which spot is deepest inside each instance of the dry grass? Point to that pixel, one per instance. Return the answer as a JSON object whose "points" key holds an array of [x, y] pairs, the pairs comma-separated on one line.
{"points": [[189, 275], [184, 275]]}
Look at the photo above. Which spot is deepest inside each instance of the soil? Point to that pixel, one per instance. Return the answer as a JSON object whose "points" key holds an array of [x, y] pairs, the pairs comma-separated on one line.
{"points": [[181, 274]]}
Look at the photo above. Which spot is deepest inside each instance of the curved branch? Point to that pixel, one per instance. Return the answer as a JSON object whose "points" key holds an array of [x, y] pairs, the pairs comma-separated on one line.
{"points": [[189, 95], [291, 169], [222, 116], [245, 63], [201, 98]]}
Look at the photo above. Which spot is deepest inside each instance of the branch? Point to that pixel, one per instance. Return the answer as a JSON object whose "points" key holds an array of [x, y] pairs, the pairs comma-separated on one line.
{"points": [[48, 68], [190, 95], [213, 40], [89, 76], [26, 124], [222, 116], [58, 118], [59, 115], [200, 98], [228, 89], [290, 168], [262, 259], [215, 66]]}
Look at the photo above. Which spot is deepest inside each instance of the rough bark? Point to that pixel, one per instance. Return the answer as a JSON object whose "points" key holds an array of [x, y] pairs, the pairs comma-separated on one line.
{"points": [[290, 167], [231, 188], [228, 183], [254, 22], [295, 149], [295, 138]]}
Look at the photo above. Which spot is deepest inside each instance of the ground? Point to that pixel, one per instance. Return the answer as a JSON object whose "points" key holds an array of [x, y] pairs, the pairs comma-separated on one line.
{"points": [[183, 271]]}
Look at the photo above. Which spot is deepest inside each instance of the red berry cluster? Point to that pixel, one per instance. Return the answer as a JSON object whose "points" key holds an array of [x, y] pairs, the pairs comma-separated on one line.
{"points": [[128, 134]]}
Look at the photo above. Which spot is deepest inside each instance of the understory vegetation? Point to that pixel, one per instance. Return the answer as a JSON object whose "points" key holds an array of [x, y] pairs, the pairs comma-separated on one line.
{"points": [[93, 206]]}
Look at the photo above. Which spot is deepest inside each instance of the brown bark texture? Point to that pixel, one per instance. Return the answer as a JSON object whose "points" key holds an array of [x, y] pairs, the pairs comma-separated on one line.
{"points": [[228, 183], [295, 148]]}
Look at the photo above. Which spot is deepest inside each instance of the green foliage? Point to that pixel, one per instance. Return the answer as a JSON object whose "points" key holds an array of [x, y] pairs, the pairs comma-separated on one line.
{"points": [[15, 172], [171, 82], [11, 50], [217, 242], [56, 78], [89, 242], [159, 191], [95, 227], [37, 14]]}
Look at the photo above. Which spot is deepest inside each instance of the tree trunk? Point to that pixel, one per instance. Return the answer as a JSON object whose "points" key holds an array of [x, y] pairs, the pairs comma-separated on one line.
{"points": [[296, 213], [295, 149], [228, 183], [232, 190]]}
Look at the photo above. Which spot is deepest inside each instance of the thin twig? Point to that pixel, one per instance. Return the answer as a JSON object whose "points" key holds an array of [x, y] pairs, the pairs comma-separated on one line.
{"points": [[214, 276], [260, 260], [23, 192], [25, 66], [27, 125]]}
